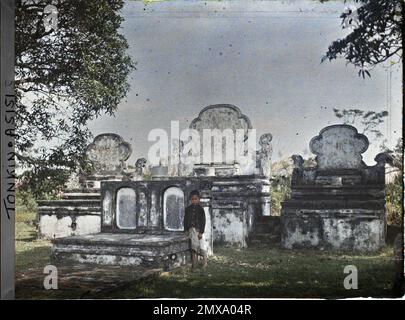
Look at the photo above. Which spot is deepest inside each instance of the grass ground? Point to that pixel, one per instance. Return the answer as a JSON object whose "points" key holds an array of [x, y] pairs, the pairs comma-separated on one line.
{"points": [[265, 272], [30, 251], [251, 272]]}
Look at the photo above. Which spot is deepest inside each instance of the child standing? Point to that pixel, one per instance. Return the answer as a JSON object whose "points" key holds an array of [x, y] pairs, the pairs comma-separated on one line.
{"points": [[194, 226]]}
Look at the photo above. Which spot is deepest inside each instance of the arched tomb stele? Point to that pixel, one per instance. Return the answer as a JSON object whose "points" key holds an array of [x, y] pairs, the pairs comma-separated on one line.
{"points": [[107, 154], [221, 119], [339, 147]]}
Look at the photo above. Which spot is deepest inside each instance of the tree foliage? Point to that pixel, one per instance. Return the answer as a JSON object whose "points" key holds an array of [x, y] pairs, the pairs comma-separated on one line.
{"points": [[280, 184], [64, 78], [394, 190], [376, 35], [368, 122]]}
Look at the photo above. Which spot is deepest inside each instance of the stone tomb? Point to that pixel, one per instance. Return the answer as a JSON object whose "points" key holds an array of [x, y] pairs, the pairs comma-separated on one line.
{"points": [[139, 211], [78, 210], [141, 222], [339, 203]]}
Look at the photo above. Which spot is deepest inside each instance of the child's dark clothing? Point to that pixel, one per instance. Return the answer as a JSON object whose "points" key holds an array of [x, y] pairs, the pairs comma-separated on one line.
{"points": [[194, 224], [194, 218]]}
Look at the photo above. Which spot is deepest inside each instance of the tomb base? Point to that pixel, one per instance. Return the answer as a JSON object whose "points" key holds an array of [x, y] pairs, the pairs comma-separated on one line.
{"points": [[335, 229], [163, 250], [334, 216], [338, 204], [78, 212]]}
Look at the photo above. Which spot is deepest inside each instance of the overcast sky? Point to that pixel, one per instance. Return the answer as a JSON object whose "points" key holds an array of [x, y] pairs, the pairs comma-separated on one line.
{"points": [[262, 56]]}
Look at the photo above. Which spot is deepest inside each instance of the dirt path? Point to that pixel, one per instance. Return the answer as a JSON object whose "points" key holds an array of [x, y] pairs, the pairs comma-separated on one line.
{"points": [[79, 281]]}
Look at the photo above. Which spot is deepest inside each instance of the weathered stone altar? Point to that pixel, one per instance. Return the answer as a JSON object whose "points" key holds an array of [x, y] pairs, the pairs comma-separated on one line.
{"points": [[340, 203]]}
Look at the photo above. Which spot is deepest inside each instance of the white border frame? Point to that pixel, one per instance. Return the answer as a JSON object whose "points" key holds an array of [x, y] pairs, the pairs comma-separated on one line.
{"points": [[7, 150]]}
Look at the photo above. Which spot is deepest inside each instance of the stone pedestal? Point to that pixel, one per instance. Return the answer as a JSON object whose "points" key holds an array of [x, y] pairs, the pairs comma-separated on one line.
{"points": [[212, 170], [237, 204], [77, 212], [340, 203], [164, 250]]}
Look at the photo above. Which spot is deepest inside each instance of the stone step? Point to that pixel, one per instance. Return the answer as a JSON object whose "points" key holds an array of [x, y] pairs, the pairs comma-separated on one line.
{"points": [[266, 228], [69, 210], [359, 189], [81, 196], [83, 190], [331, 196], [69, 203], [166, 250], [340, 188], [267, 224], [268, 219], [323, 203], [265, 238]]}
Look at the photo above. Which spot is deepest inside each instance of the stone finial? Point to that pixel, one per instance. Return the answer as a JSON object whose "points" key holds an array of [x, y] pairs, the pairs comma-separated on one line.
{"points": [[383, 158], [140, 166], [265, 141], [108, 153], [264, 154], [339, 147], [140, 163], [298, 161]]}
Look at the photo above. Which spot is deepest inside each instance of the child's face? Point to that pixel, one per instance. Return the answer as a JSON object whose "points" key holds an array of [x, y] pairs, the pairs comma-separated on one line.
{"points": [[195, 199]]}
